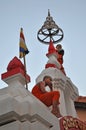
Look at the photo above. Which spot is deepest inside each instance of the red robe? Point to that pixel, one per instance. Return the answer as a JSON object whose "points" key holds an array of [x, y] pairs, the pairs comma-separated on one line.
{"points": [[46, 97]]}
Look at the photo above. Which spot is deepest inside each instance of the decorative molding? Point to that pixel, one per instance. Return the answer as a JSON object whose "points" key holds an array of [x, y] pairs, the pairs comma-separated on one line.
{"points": [[58, 83]]}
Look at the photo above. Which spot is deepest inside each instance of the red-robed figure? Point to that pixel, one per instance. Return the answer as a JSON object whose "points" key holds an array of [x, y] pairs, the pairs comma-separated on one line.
{"points": [[48, 98], [60, 54]]}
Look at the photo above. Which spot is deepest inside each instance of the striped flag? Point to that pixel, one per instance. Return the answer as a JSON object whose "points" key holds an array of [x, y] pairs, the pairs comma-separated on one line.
{"points": [[23, 50]]}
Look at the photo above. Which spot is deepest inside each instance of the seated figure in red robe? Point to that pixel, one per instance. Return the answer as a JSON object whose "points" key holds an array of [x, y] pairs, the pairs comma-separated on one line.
{"points": [[48, 98]]}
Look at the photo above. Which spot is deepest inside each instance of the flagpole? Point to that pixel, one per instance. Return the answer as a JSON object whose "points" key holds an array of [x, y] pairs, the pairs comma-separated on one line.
{"points": [[23, 51], [25, 72]]}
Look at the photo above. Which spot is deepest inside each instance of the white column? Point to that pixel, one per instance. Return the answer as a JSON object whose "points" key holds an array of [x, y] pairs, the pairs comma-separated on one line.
{"points": [[71, 93], [58, 84]]}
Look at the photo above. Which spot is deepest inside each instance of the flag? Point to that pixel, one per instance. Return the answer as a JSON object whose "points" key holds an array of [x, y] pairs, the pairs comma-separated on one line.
{"points": [[23, 50]]}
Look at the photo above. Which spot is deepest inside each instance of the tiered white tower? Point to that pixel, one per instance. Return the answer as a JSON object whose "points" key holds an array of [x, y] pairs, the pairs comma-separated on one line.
{"points": [[50, 33], [68, 91]]}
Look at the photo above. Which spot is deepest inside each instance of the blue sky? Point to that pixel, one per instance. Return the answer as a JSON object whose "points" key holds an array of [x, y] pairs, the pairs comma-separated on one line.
{"points": [[31, 14]]}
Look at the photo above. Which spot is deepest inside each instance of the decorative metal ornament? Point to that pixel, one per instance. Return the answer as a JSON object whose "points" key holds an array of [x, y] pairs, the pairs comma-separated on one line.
{"points": [[50, 31]]}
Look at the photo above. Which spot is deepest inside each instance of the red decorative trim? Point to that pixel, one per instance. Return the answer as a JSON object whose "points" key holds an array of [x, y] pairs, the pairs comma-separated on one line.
{"points": [[50, 65], [13, 72], [70, 123], [15, 63], [51, 49]]}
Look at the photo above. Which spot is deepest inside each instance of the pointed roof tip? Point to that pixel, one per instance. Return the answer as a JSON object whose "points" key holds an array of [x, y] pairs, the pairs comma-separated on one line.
{"points": [[51, 48], [21, 29], [15, 63], [48, 12]]}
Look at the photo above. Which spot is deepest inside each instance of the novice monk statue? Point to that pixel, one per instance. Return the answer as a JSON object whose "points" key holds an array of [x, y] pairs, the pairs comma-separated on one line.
{"points": [[48, 98], [60, 54]]}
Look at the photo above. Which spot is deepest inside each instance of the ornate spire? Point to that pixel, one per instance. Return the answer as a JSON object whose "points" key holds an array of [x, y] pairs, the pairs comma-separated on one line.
{"points": [[49, 23], [50, 31]]}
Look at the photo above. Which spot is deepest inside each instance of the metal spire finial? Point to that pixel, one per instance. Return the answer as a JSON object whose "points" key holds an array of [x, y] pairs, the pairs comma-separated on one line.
{"points": [[50, 31], [48, 12]]}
